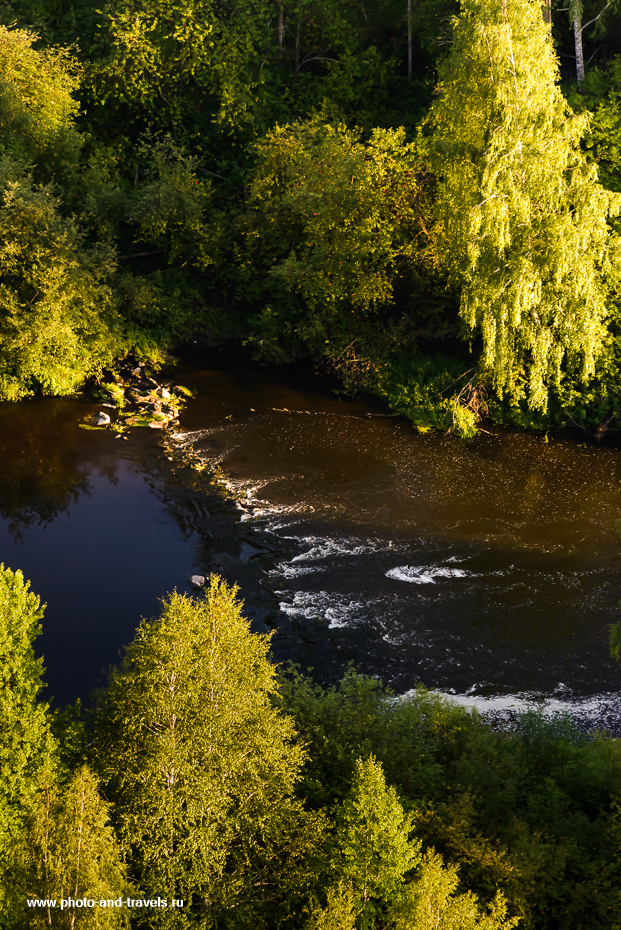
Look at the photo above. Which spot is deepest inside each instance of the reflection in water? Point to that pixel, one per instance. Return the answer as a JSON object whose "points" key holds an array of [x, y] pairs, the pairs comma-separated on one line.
{"points": [[103, 528], [489, 567], [39, 470]]}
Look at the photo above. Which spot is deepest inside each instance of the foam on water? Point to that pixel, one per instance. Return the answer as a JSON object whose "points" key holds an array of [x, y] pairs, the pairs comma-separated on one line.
{"points": [[596, 711], [419, 574], [321, 548], [383, 537], [337, 610]]}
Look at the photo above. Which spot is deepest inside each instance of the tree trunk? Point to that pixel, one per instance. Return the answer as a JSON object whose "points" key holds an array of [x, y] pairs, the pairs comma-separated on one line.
{"points": [[547, 11], [281, 26], [579, 52], [409, 40]]}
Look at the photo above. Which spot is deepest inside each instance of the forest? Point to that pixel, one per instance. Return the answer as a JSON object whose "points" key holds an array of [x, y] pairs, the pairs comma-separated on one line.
{"points": [[419, 198], [207, 787]]}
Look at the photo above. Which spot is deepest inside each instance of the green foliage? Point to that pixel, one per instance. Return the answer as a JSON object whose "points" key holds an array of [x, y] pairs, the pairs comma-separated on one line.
{"points": [[431, 391], [521, 217], [168, 60], [202, 752], [37, 109], [201, 766], [601, 97], [433, 903], [373, 849], [524, 813], [339, 912], [73, 854], [334, 221], [26, 745], [57, 314], [57, 320], [168, 208], [412, 738]]}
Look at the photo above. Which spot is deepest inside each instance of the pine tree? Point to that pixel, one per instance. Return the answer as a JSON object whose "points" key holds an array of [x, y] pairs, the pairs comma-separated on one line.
{"points": [[26, 745], [521, 218], [74, 856], [200, 764]]}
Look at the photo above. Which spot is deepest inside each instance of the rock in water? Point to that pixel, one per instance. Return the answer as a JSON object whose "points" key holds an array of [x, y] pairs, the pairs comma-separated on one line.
{"points": [[198, 580], [101, 419]]}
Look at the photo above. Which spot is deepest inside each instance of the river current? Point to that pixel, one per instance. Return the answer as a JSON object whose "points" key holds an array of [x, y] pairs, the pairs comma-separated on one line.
{"points": [[489, 568]]}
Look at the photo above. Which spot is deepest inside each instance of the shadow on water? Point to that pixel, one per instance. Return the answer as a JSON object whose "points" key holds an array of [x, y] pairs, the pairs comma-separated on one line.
{"points": [[490, 567], [102, 529], [40, 476]]}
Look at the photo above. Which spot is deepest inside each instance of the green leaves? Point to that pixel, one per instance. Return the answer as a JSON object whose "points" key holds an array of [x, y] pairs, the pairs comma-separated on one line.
{"points": [[431, 902], [199, 763], [56, 310], [356, 203], [172, 58], [74, 855], [37, 107], [521, 218], [26, 745], [373, 849], [333, 220]]}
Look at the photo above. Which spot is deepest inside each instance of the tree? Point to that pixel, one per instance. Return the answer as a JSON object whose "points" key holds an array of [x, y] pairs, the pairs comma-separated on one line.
{"points": [[58, 323], [431, 903], [200, 765], [522, 222], [335, 220], [339, 912], [73, 855], [575, 15], [373, 849], [180, 64], [26, 745], [37, 104]]}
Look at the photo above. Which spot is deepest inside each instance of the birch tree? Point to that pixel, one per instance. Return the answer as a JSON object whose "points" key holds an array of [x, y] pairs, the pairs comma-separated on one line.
{"points": [[522, 219], [199, 764], [74, 856]]}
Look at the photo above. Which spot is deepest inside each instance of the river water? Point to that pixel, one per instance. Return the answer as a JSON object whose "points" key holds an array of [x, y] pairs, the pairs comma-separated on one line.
{"points": [[488, 568]]}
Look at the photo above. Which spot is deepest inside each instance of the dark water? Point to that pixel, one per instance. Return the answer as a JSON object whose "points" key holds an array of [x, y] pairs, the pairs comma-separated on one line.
{"points": [[102, 528], [488, 567]]}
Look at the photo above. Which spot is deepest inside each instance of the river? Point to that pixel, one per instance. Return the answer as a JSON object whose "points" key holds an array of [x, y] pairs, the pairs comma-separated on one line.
{"points": [[487, 568]]}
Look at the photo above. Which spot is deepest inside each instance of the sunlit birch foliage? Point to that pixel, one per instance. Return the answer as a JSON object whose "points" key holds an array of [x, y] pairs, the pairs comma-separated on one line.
{"points": [[522, 219]]}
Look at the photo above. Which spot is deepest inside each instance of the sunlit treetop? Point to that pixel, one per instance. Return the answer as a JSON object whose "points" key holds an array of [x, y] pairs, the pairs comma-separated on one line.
{"points": [[37, 106], [522, 220]]}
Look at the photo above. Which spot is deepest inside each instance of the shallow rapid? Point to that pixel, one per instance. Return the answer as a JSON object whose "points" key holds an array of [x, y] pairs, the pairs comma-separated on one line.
{"points": [[488, 568]]}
